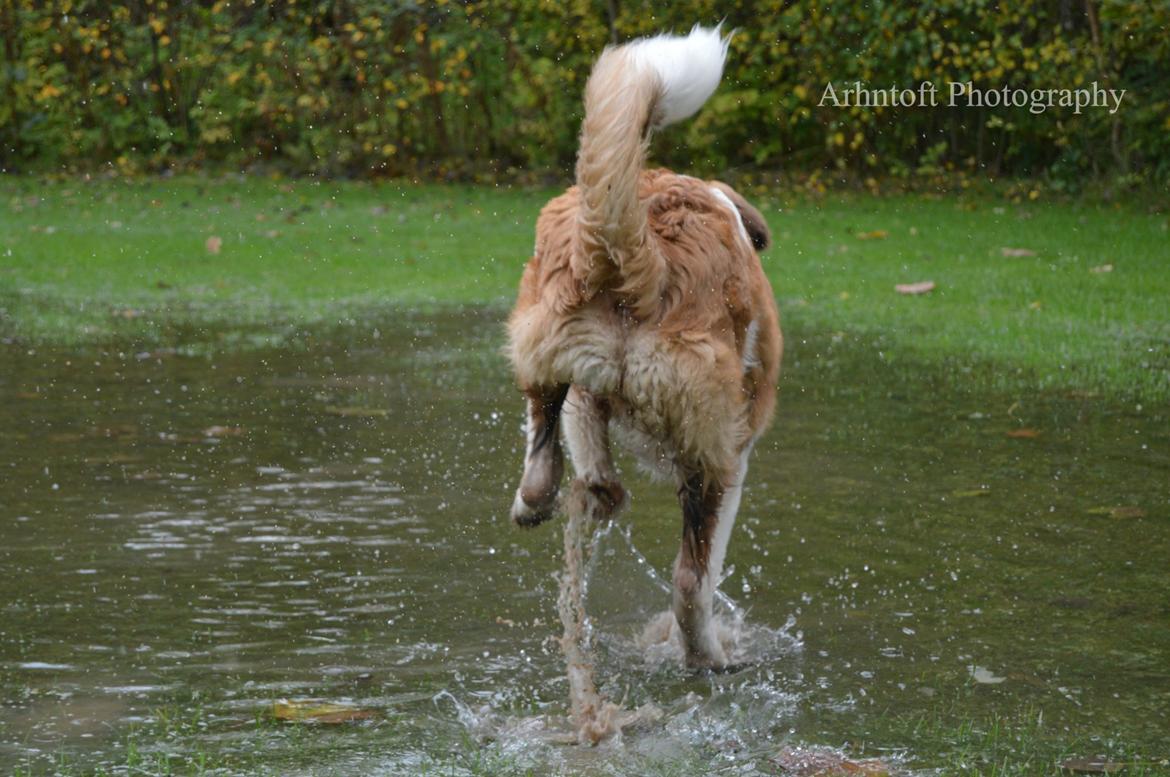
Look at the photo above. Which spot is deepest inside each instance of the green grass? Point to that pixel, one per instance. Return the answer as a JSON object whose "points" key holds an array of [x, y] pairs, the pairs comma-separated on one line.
{"points": [[1013, 745], [180, 741], [87, 261]]}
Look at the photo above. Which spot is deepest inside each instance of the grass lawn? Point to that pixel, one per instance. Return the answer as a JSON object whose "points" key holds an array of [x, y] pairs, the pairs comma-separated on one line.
{"points": [[1079, 301]]}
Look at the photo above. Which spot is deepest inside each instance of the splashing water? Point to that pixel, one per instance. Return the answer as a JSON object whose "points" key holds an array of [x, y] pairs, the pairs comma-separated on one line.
{"points": [[594, 718]]}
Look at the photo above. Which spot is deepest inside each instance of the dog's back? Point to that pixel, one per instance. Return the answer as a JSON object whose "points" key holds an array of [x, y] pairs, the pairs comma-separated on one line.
{"points": [[646, 298]]}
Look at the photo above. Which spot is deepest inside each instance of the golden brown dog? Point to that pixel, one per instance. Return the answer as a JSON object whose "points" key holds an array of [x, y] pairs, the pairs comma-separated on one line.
{"points": [[645, 307]]}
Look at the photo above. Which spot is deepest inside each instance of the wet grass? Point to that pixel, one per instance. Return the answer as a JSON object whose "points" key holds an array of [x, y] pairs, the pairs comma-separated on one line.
{"points": [[1016, 744], [174, 742], [1081, 307]]}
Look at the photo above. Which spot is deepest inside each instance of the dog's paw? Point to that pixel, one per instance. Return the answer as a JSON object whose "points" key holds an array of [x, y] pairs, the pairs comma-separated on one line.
{"points": [[597, 501], [704, 664], [600, 501], [731, 667], [527, 516], [611, 498]]}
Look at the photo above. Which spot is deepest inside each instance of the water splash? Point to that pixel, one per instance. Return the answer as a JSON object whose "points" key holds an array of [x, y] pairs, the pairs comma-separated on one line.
{"points": [[594, 718]]}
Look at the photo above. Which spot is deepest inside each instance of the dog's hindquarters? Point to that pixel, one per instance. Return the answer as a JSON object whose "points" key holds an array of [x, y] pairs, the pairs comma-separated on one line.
{"points": [[633, 89]]}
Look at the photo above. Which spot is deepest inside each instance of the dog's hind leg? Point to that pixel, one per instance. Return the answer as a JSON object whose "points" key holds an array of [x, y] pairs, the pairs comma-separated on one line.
{"points": [[586, 421], [543, 460], [709, 510]]}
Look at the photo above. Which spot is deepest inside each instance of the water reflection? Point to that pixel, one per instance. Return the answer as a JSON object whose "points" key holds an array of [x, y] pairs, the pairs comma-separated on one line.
{"points": [[194, 534]]}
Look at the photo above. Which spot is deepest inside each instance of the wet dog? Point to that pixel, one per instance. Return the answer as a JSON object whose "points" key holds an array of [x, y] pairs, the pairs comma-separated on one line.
{"points": [[645, 310]]}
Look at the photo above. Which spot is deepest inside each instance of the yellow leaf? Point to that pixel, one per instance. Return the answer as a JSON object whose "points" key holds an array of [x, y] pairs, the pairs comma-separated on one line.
{"points": [[318, 712], [921, 287], [357, 412]]}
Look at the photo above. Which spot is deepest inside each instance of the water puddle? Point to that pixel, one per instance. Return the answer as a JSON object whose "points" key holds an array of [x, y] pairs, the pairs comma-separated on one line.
{"points": [[190, 537]]}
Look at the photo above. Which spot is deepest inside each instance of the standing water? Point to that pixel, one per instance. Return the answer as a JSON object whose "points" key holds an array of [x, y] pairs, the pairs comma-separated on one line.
{"points": [[920, 574]]}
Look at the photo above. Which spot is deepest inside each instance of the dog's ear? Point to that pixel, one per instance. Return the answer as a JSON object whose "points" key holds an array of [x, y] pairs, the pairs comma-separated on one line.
{"points": [[753, 220]]}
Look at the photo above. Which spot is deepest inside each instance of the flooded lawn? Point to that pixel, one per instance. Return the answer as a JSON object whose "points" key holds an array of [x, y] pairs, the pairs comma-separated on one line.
{"points": [[926, 575]]}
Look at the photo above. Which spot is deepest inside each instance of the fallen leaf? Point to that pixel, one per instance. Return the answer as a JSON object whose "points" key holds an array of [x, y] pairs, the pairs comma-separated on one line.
{"points": [[357, 412], [877, 234], [922, 287], [971, 492], [318, 712], [213, 244], [822, 762], [984, 676], [1120, 512], [1025, 433], [1101, 268], [1017, 252], [223, 431], [127, 313], [1091, 766]]}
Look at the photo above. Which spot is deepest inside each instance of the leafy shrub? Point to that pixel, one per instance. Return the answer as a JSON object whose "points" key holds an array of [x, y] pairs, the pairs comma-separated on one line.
{"points": [[455, 89]]}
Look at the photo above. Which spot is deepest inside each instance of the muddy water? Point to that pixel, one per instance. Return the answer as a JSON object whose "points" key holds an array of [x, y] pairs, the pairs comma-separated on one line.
{"points": [[187, 536]]}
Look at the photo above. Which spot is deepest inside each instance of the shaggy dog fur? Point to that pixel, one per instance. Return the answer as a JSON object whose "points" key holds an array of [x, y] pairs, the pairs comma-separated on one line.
{"points": [[645, 308]]}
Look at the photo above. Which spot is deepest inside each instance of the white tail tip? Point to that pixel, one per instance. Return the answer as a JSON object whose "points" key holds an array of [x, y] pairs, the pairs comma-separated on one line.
{"points": [[689, 66]]}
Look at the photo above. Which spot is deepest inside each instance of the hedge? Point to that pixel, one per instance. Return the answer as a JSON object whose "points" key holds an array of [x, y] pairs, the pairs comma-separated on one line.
{"points": [[458, 89]]}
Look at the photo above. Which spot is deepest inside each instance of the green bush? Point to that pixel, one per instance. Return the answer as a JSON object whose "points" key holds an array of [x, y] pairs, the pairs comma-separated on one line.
{"points": [[454, 89]]}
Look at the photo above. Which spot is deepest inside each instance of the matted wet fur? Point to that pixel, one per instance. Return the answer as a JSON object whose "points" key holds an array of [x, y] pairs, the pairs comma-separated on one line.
{"points": [[645, 310]]}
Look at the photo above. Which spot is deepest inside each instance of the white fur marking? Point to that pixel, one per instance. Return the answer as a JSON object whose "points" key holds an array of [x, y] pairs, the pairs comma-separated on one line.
{"points": [[518, 505], [728, 508], [690, 68], [723, 198], [751, 356]]}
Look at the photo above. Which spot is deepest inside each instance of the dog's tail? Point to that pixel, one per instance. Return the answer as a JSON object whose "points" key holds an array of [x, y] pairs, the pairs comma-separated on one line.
{"points": [[635, 89]]}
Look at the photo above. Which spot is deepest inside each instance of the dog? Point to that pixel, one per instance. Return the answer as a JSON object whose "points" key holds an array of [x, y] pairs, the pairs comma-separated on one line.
{"points": [[645, 310]]}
